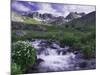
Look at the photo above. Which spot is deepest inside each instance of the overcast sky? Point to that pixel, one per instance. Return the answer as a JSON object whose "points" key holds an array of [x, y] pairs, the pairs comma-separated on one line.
{"points": [[55, 9]]}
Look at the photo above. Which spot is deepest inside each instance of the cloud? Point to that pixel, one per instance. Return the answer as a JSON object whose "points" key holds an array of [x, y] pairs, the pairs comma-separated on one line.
{"points": [[47, 8], [66, 8], [80, 8], [53, 8], [20, 7]]}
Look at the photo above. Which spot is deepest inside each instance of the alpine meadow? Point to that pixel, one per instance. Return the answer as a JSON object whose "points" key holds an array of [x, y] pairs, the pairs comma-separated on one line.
{"points": [[52, 37]]}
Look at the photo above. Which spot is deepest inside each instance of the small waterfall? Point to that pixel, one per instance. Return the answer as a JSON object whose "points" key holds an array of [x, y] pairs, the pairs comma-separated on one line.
{"points": [[54, 57], [53, 61]]}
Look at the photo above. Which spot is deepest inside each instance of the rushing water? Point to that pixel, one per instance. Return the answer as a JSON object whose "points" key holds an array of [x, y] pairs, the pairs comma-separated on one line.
{"points": [[52, 57]]}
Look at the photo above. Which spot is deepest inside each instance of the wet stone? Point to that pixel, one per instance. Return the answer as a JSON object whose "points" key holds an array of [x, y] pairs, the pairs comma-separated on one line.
{"points": [[83, 65], [53, 57]]}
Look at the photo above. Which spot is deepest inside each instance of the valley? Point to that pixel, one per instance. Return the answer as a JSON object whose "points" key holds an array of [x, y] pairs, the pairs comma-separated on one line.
{"points": [[74, 36]]}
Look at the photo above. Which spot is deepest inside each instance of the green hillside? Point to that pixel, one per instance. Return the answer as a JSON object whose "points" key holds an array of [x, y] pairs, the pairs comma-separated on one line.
{"points": [[19, 18], [79, 33], [85, 23]]}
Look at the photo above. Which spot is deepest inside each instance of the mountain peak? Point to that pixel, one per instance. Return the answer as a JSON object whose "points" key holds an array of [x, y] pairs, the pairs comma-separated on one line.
{"points": [[74, 15]]}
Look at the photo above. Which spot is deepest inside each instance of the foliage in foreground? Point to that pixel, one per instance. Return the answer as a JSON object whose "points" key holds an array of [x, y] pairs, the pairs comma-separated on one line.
{"points": [[15, 69], [23, 56]]}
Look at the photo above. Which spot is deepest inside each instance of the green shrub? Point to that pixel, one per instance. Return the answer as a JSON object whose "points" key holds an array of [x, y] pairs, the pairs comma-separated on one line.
{"points": [[68, 39], [15, 69], [88, 52], [23, 54]]}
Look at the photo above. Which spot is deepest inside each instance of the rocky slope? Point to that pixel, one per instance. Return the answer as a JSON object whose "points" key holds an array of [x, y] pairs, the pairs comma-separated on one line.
{"points": [[51, 19]]}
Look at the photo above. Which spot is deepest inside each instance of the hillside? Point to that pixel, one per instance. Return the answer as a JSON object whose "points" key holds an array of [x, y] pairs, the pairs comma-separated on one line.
{"points": [[74, 15], [15, 17], [78, 33], [85, 23]]}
